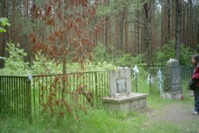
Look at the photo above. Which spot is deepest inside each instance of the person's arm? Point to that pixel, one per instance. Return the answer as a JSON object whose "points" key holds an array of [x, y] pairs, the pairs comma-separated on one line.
{"points": [[196, 74]]}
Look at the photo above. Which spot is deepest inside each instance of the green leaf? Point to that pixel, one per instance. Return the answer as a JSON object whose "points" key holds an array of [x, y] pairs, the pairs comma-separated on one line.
{"points": [[2, 29], [4, 22]]}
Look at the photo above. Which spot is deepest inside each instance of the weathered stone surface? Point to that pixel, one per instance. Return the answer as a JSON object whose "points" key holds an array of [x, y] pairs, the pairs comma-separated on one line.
{"points": [[120, 82], [125, 98], [190, 93], [173, 84], [174, 95], [172, 76], [120, 97], [133, 102]]}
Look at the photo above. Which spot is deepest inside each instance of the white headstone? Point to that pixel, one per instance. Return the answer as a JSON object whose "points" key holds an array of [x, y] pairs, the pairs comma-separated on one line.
{"points": [[120, 82]]}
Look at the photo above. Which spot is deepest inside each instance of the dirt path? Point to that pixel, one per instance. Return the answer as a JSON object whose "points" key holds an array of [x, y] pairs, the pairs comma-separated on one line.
{"points": [[175, 112]]}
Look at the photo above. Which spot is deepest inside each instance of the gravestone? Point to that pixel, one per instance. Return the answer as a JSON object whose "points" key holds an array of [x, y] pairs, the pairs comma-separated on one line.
{"points": [[173, 84], [120, 96], [120, 82]]}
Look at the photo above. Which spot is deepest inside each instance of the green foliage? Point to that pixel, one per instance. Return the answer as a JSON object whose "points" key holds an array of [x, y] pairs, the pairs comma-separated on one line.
{"points": [[168, 51], [113, 7], [44, 65], [14, 64], [95, 121], [100, 53], [28, 26], [101, 121], [139, 60], [3, 22], [116, 57], [116, 6], [124, 60], [99, 66]]}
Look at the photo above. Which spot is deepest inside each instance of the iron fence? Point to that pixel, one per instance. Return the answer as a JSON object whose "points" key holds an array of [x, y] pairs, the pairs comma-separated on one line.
{"points": [[14, 95], [24, 97], [186, 73]]}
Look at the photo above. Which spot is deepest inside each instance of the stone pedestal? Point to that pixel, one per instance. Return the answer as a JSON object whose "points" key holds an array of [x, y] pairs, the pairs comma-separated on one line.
{"points": [[127, 103], [190, 93], [120, 97], [175, 95]]}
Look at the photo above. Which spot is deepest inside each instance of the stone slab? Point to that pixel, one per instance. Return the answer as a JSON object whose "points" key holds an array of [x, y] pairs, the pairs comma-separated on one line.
{"points": [[175, 95], [127, 103], [190, 93]]}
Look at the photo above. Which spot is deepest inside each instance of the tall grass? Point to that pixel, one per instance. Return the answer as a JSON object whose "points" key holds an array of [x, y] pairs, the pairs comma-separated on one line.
{"points": [[96, 121], [103, 121]]}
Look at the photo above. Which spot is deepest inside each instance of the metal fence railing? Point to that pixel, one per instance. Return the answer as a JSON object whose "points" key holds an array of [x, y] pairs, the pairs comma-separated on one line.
{"points": [[28, 97], [186, 73], [93, 85], [14, 95]]}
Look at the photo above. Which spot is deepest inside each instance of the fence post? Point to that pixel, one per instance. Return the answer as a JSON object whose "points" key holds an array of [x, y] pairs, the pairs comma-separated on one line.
{"points": [[1, 96], [149, 81], [135, 73], [28, 99], [96, 89]]}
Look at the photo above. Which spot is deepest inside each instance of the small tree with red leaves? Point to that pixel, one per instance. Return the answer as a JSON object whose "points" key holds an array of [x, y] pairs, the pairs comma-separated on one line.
{"points": [[70, 30]]}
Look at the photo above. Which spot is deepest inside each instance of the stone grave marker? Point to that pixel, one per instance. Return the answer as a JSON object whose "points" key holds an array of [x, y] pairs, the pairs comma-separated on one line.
{"points": [[120, 96], [173, 84], [120, 82]]}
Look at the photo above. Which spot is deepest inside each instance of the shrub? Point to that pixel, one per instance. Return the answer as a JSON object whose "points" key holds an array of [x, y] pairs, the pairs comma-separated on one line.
{"points": [[3, 22], [44, 65], [14, 64], [116, 57], [168, 51]]}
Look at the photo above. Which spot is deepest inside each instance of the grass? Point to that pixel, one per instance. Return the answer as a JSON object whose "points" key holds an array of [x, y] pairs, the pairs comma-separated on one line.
{"points": [[162, 127], [100, 121], [103, 121]]}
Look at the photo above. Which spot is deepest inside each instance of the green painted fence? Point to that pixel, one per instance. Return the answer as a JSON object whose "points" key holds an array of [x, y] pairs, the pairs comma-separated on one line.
{"points": [[24, 97], [15, 93]]}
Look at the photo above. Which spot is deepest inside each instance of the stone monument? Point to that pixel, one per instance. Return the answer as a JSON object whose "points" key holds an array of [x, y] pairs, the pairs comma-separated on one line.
{"points": [[172, 85], [120, 96]]}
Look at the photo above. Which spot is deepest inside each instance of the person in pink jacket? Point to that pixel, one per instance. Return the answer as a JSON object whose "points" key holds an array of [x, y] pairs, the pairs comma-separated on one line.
{"points": [[195, 78]]}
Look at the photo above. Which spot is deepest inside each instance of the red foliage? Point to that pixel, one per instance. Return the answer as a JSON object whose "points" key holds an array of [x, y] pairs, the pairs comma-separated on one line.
{"points": [[70, 33]]}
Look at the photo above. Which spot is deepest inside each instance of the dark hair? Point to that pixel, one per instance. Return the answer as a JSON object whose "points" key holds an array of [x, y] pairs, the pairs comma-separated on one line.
{"points": [[196, 57]]}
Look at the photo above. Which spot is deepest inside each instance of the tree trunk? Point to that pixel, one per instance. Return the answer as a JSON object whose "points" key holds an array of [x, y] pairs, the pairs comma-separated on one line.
{"points": [[116, 33], [183, 33], [137, 31], [178, 29], [173, 20], [169, 20], [126, 27], [165, 22], [147, 18], [4, 36], [13, 28], [191, 23], [153, 32], [121, 30]]}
